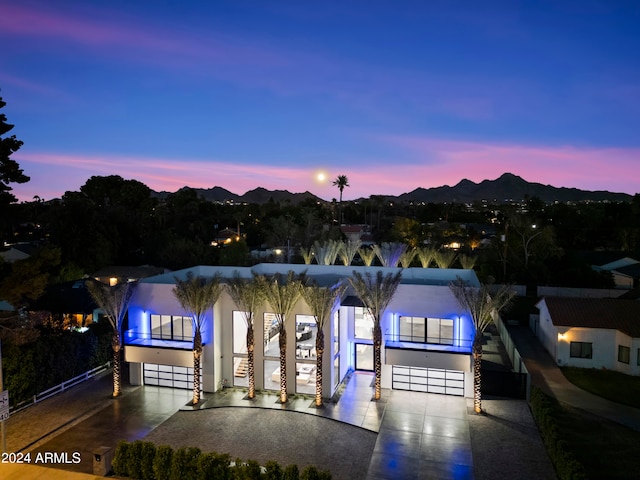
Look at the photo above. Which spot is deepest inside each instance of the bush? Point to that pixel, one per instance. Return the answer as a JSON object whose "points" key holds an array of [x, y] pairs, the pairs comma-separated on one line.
{"points": [[291, 472], [134, 459], [119, 463], [311, 472], [545, 411], [185, 463], [147, 455], [162, 462], [215, 466], [273, 471]]}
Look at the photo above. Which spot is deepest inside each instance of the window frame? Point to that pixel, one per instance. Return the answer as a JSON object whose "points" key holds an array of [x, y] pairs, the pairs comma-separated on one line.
{"points": [[583, 350]]}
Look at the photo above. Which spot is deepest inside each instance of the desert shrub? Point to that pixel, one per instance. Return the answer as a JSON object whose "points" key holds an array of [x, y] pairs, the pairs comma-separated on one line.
{"points": [[291, 472], [184, 463], [162, 462], [119, 463]]}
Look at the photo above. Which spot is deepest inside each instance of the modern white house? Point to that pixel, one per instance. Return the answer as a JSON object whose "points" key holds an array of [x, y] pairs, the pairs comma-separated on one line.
{"points": [[427, 336], [591, 332]]}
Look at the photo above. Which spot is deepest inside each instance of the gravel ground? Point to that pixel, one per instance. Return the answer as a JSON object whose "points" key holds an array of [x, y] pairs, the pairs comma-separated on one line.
{"points": [[506, 444], [262, 434]]}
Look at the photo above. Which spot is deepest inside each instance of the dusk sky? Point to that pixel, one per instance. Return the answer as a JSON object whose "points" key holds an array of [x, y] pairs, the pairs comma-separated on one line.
{"points": [[395, 95]]}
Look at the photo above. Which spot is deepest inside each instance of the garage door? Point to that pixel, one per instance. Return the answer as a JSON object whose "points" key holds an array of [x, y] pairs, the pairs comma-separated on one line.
{"points": [[430, 380], [169, 376]]}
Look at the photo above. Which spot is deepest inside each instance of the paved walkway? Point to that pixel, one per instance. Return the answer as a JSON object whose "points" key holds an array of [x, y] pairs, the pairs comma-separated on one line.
{"points": [[546, 374], [406, 435]]}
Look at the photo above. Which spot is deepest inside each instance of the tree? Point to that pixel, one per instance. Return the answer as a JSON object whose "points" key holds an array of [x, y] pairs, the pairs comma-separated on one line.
{"points": [[248, 296], [322, 301], [341, 182], [282, 294], [376, 294], [10, 171], [197, 295], [114, 302], [482, 306]]}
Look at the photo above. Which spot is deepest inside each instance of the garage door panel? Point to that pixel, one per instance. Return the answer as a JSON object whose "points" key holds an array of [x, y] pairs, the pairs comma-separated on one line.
{"points": [[168, 376], [431, 380]]}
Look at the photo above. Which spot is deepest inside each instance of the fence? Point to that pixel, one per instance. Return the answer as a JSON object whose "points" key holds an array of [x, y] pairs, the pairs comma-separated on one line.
{"points": [[512, 352], [50, 392]]}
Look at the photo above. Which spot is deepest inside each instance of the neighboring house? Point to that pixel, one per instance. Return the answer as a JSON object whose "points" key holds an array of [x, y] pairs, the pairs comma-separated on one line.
{"points": [[625, 271], [69, 303], [426, 347], [111, 274], [355, 233], [18, 251], [591, 332], [225, 237]]}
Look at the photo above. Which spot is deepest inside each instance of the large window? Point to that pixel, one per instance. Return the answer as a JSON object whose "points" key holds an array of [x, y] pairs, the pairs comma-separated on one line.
{"points": [[271, 335], [306, 331], [171, 327], [581, 349], [624, 354], [364, 357], [240, 360], [426, 330], [335, 331], [363, 323]]}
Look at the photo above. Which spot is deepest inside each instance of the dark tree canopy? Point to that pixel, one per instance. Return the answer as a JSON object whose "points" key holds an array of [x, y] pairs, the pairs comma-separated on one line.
{"points": [[10, 171]]}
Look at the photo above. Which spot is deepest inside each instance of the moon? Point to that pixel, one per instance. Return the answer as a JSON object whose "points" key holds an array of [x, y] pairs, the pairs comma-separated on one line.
{"points": [[321, 177]]}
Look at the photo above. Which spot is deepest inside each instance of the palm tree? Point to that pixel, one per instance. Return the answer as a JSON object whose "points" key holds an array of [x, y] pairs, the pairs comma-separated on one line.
{"points": [[444, 259], [248, 296], [341, 181], [467, 261], [326, 252], [348, 250], [389, 253], [114, 302], [407, 257], [482, 306], [322, 301], [376, 294], [367, 255], [197, 295], [425, 255], [282, 294]]}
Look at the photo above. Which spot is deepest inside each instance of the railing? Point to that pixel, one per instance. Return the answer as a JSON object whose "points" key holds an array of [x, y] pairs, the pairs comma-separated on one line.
{"points": [[512, 352], [446, 345], [142, 339], [50, 392]]}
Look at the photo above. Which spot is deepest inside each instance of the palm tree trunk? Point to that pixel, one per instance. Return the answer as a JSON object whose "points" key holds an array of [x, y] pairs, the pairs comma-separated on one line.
{"points": [[282, 342], [319, 354], [377, 360], [250, 360], [477, 373], [117, 348], [197, 354]]}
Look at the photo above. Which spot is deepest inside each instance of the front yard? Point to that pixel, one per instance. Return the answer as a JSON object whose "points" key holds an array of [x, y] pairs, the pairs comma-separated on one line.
{"points": [[614, 386]]}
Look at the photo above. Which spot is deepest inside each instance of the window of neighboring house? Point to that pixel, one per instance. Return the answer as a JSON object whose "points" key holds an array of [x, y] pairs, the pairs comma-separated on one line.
{"points": [[624, 354], [581, 349], [639, 356], [172, 327]]}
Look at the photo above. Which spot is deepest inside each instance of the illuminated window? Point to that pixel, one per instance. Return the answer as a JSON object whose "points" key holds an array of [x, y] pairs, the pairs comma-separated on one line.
{"points": [[172, 327], [363, 323], [426, 330], [624, 354], [581, 349]]}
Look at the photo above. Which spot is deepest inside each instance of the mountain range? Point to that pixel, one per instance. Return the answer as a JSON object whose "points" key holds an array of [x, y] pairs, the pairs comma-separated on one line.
{"points": [[507, 188]]}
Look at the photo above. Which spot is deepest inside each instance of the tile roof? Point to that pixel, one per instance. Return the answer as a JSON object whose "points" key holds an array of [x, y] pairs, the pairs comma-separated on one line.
{"points": [[622, 315]]}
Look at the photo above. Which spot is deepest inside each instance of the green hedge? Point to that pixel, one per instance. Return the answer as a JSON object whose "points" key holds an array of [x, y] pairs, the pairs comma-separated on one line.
{"points": [[545, 412], [145, 461], [54, 357]]}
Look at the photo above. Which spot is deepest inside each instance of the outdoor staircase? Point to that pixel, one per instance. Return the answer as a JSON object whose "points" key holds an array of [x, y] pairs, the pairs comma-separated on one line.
{"points": [[243, 368]]}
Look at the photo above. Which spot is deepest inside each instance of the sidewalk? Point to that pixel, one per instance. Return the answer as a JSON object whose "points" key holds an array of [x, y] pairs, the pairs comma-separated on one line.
{"points": [[547, 375]]}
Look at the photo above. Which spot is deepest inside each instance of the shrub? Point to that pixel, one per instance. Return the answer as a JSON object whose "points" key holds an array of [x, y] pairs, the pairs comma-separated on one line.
{"points": [[119, 463], [134, 459], [545, 411], [291, 472], [311, 472], [184, 463], [162, 462], [273, 471], [214, 466], [147, 455]]}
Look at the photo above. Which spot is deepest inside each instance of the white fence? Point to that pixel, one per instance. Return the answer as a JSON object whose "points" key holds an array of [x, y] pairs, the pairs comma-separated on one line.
{"points": [[61, 387], [512, 352]]}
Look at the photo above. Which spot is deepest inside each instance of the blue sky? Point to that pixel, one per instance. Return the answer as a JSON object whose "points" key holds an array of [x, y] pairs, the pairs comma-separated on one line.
{"points": [[395, 95]]}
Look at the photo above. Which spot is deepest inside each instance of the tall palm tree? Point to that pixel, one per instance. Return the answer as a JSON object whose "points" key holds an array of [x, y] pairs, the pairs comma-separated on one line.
{"points": [[322, 301], [197, 295], [482, 306], [376, 294], [248, 296], [282, 294], [114, 302], [341, 182]]}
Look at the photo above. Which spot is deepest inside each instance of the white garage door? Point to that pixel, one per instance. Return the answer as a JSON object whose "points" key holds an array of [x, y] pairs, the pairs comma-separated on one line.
{"points": [[169, 376], [430, 380]]}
